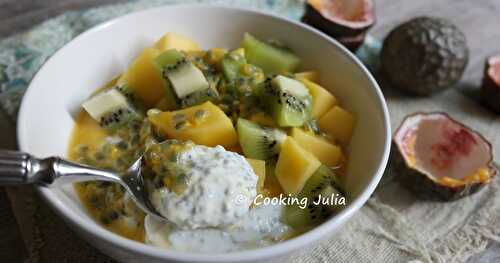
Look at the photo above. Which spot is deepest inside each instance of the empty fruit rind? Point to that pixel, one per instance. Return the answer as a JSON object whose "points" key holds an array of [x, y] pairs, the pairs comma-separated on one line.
{"points": [[438, 155]]}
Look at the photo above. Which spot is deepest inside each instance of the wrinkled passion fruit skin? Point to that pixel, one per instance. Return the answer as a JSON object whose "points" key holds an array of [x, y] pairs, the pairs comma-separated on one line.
{"points": [[352, 37], [425, 55], [425, 187], [422, 185], [490, 91]]}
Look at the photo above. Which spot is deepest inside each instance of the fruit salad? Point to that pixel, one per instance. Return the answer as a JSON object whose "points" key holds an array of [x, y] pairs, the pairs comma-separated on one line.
{"points": [[233, 141]]}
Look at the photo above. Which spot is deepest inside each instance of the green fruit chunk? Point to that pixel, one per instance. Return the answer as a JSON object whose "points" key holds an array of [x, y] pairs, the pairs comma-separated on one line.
{"points": [[272, 59], [111, 109], [257, 142], [322, 178], [185, 83], [232, 64], [287, 101], [198, 97], [323, 183], [312, 215]]}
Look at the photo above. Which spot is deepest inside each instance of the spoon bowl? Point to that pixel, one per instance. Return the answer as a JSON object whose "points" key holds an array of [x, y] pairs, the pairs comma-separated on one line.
{"points": [[133, 181]]}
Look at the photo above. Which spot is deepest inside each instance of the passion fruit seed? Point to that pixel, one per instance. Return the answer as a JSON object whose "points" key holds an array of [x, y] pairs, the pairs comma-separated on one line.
{"points": [[248, 69], [179, 117], [180, 125], [153, 112], [200, 114]]}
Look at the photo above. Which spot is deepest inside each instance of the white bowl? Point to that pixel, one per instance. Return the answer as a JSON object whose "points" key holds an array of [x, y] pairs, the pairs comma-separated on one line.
{"points": [[94, 57]]}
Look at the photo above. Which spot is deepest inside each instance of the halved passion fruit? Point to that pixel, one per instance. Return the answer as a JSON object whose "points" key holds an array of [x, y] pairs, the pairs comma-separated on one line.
{"points": [[437, 155], [490, 91], [345, 20]]}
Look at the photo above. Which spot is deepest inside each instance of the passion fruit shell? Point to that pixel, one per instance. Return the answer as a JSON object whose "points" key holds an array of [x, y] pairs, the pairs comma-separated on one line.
{"points": [[490, 91], [345, 20], [441, 158], [425, 55]]}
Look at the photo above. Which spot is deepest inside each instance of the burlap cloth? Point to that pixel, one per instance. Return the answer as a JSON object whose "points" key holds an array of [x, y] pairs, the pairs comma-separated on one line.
{"points": [[394, 226]]}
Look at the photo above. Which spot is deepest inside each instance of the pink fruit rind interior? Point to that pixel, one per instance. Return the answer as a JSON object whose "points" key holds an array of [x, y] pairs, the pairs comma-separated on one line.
{"points": [[442, 147], [353, 13], [494, 69]]}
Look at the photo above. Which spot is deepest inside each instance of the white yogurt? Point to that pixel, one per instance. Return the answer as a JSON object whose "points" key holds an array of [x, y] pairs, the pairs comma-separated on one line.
{"points": [[221, 188], [260, 227]]}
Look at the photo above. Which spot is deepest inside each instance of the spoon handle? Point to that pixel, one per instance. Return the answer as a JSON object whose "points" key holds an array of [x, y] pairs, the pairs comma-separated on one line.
{"points": [[18, 168]]}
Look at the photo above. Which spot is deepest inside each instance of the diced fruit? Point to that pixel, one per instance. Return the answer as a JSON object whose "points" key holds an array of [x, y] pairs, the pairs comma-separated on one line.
{"points": [[168, 58], [338, 123], [295, 166], [111, 109], [185, 83], [312, 215], [263, 119], [176, 41], [232, 64], [185, 78], [329, 154], [204, 124], [322, 184], [287, 100], [309, 75], [298, 218], [143, 78], [322, 100], [259, 167], [215, 55], [259, 142], [272, 185], [273, 60], [322, 178]]}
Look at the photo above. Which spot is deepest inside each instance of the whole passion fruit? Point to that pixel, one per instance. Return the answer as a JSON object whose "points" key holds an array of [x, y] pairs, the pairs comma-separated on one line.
{"points": [[490, 91], [441, 157], [425, 55], [345, 20]]}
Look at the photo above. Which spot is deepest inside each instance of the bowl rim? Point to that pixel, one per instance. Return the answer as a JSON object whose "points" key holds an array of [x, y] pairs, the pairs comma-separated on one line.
{"points": [[274, 250]]}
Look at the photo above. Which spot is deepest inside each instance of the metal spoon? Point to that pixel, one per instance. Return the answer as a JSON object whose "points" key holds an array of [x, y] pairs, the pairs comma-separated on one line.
{"points": [[18, 168]]}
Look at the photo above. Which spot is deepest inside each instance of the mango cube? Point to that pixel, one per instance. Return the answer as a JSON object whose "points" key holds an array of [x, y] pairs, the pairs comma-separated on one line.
{"points": [[176, 41], [259, 167], [309, 75], [204, 124], [295, 165], [327, 153], [144, 79], [322, 100], [338, 123]]}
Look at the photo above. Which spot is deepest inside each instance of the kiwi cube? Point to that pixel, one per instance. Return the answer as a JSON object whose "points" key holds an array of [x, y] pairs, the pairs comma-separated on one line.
{"points": [[258, 142], [186, 84], [287, 101], [272, 59], [111, 109], [232, 64]]}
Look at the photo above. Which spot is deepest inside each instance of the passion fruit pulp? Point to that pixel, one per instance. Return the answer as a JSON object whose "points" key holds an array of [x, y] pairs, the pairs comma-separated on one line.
{"points": [[439, 157], [490, 91], [345, 20]]}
